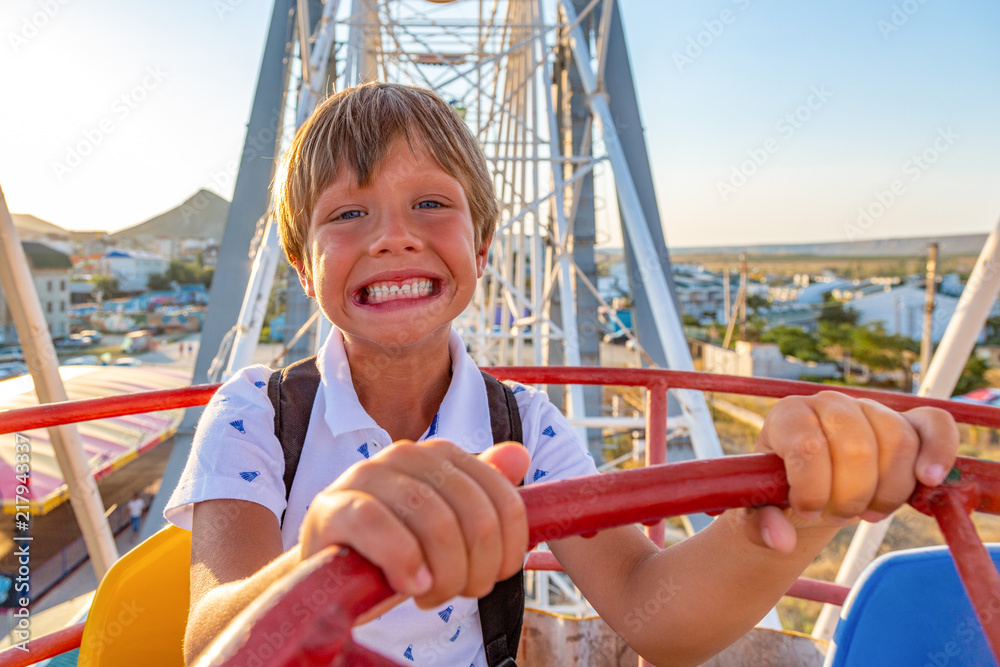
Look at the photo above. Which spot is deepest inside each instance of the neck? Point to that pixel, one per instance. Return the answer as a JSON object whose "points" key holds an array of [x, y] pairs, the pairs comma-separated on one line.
{"points": [[401, 388]]}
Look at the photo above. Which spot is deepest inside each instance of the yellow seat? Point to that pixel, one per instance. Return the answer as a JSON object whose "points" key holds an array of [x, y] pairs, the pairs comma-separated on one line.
{"points": [[141, 606]]}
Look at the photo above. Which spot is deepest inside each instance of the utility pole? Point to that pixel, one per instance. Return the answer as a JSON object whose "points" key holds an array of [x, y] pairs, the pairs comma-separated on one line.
{"points": [[926, 344], [725, 296], [744, 289]]}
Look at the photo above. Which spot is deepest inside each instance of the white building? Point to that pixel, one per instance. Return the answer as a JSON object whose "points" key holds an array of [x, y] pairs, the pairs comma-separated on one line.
{"points": [[762, 360], [901, 311], [50, 270], [132, 268]]}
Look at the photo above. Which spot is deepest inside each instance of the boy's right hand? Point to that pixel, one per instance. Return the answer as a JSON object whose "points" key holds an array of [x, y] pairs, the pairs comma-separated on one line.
{"points": [[438, 521]]}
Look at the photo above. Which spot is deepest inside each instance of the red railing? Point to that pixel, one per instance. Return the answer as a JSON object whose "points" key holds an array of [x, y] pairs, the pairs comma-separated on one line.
{"points": [[656, 382]]}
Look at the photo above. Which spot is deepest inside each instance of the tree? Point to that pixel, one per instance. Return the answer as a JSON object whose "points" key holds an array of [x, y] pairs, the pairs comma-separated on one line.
{"points": [[973, 376], [834, 312], [158, 282], [182, 273], [755, 303], [992, 330], [107, 287], [796, 342], [836, 323], [873, 347], [835, 335]]}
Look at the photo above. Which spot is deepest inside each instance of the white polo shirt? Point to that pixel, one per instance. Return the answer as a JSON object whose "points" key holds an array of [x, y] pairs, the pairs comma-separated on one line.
{"points": [[236, 455]]}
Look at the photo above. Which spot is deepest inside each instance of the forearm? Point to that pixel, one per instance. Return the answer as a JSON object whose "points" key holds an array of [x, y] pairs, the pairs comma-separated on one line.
{"points": [[212, 611], [687, 603]]}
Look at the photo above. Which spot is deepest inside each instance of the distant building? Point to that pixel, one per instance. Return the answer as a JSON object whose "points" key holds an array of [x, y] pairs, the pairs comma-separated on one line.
{"points": [[701, 293], [132, 268], [815, 291], [211, 255], [901, 311], [50, 270], [164, 246], [762, 360]]}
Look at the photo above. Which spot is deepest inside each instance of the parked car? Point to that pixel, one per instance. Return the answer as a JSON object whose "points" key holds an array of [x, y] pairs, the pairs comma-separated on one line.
{"points": [[127, 361], [85, 360], [137, 341], [12, 369], [74, 342], [984, 396], [11, 353]]}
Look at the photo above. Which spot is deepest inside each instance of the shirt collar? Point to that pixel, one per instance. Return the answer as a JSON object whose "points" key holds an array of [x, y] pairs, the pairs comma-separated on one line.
{"points": [[464, 415]]}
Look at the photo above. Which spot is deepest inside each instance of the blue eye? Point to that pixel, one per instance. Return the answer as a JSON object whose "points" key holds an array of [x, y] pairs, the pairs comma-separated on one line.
{"points": [[428, 204], [349, 215]]}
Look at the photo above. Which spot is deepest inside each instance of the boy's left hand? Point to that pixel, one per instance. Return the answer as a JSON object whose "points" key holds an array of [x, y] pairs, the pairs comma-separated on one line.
{"points": [[846, 459]]}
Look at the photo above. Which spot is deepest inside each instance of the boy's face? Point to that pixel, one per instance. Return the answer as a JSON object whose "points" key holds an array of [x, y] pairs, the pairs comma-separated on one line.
{"points": [[395, 261]]}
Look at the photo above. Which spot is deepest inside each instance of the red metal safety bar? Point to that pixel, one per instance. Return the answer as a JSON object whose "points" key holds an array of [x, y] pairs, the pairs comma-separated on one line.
{"points": [[561, 509], [49, 646], [657, 383], [72, 412]]}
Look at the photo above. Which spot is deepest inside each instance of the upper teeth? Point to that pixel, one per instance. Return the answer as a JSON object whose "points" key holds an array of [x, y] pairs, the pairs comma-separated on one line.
{"points": [[416, 287]]}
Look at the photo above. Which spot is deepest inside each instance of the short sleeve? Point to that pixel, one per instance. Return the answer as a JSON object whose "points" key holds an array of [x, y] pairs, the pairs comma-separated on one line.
{"points": [[555, 448], [235, 454]]}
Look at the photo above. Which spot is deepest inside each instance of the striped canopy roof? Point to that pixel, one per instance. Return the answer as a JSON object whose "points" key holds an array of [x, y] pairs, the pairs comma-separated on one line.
{"points": [[107, 443]]}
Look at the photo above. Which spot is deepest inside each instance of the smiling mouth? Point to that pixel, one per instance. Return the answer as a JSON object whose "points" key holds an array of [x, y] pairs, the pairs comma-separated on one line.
{"points": [[390, 290]]}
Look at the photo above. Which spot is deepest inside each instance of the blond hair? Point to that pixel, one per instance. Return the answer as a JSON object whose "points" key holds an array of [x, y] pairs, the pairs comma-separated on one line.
{"points": [[351, 133]]}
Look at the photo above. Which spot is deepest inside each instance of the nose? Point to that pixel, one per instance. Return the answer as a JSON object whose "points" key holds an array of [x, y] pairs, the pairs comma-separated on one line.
{"points": [[395, 233]]}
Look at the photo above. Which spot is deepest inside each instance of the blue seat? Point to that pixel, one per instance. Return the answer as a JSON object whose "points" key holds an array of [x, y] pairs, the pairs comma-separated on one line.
{"points": [[909, 608]]}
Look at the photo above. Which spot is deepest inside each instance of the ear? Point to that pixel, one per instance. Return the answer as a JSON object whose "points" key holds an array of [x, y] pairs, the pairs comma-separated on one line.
{"points": [[304, 278], [482, 255]]}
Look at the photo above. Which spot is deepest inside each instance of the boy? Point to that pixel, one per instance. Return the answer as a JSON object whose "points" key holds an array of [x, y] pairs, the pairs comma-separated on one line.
{"points": [[387, 211]]}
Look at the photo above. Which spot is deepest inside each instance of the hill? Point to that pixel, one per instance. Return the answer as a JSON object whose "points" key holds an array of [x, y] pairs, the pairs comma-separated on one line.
{"points": [[964, 244], [28, 226], [201, 216]]}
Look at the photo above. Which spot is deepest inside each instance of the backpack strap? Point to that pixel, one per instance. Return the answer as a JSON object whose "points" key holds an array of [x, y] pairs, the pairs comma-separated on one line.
{"points": [[501, 612], [292, 391]]}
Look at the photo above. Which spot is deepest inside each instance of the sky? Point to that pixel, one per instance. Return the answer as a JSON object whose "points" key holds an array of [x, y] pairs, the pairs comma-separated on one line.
{"points": [[766, 122]]}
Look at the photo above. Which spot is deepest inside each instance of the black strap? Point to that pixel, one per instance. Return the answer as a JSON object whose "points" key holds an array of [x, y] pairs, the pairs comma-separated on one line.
{"points": [[292, 391], [501, 612]]}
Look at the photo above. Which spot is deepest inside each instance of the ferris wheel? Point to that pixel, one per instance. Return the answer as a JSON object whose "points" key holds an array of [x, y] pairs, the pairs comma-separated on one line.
{"points": [[546, 87]]}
